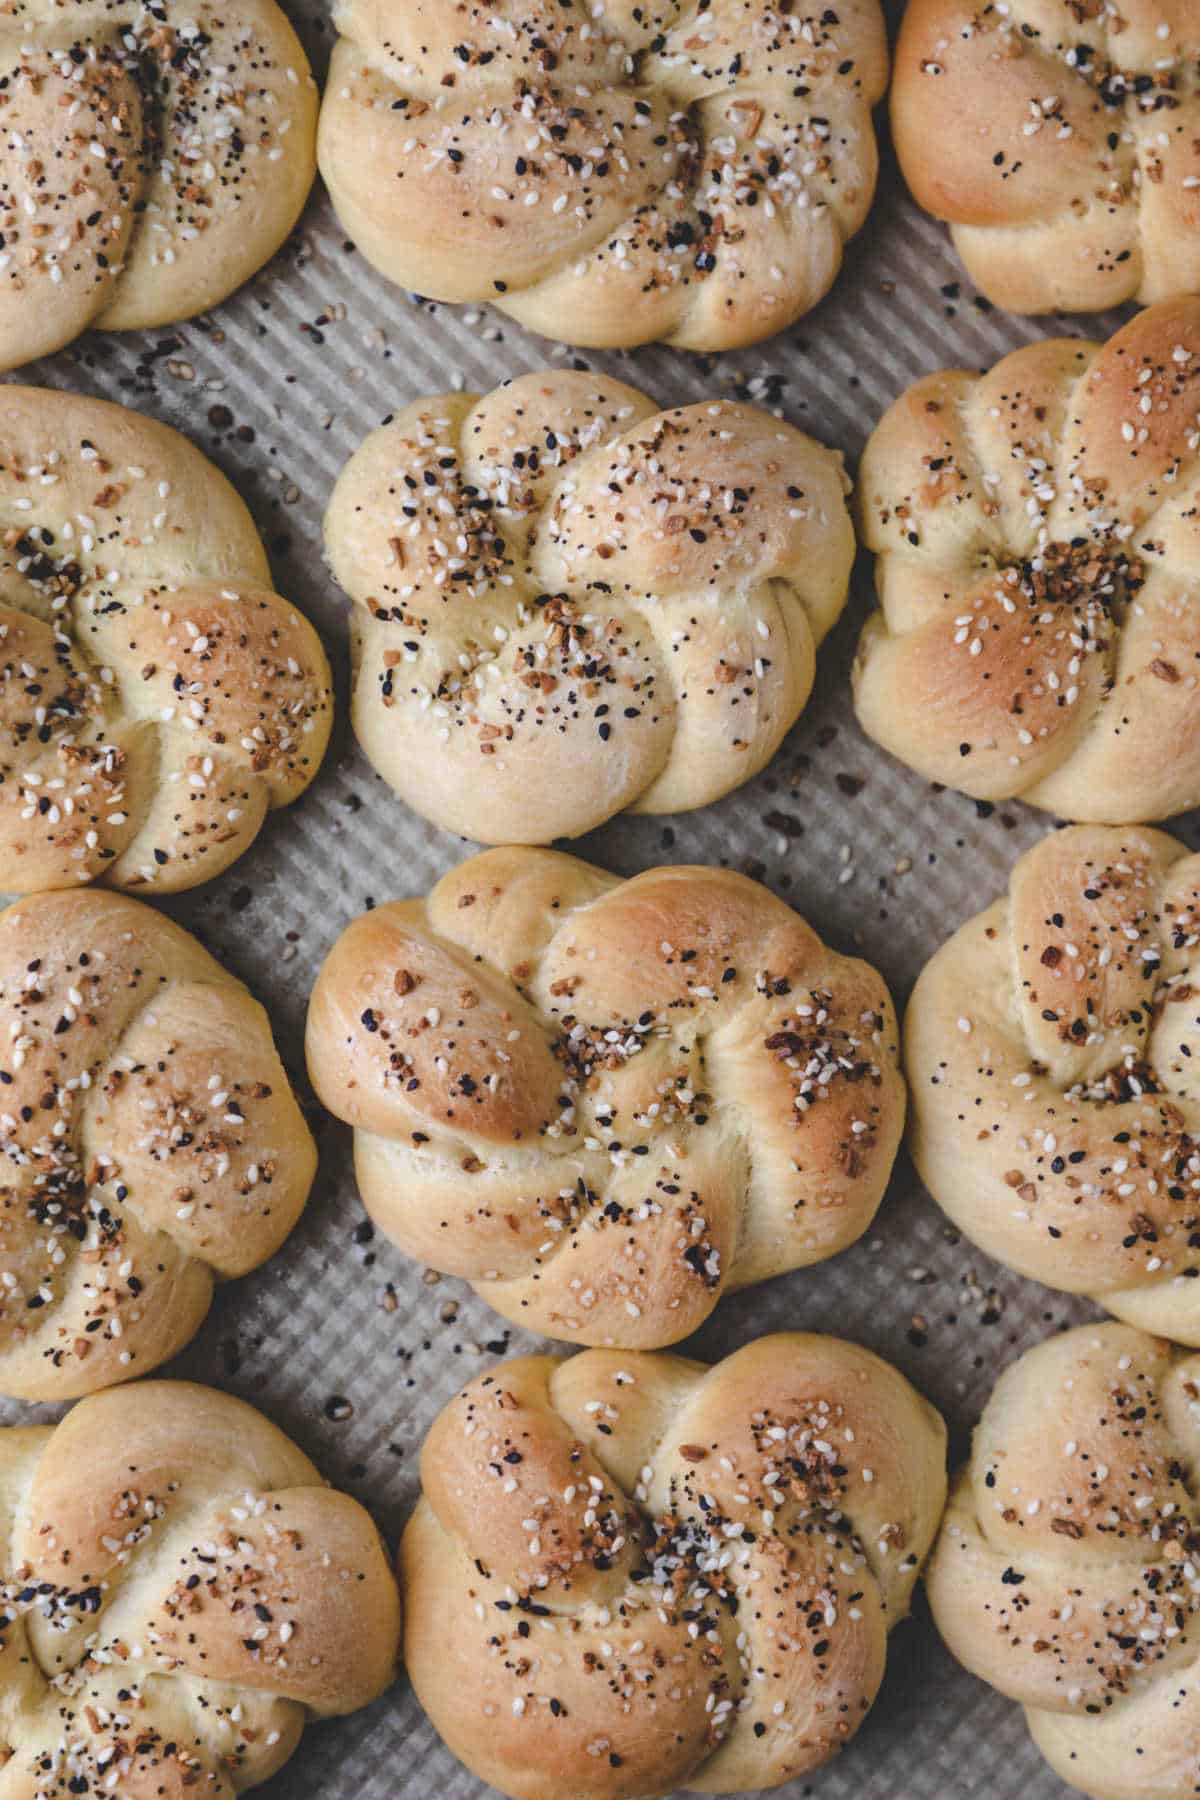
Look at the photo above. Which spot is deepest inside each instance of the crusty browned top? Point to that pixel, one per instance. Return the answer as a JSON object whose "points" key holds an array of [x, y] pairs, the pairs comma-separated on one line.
{"points": [[151, 159], [568, 602], [156, 697], [607, 174], [606, 1102], [630, 1573], [1065, 1573], [179, 1592], [1036, 534], [149, 1140], [1061, 139], [1053, 1047]]}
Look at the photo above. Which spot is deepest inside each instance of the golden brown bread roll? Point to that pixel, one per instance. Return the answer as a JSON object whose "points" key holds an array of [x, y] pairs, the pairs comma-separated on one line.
{"points": [[568, 602], [180, 1592], [1064, 1573], [1037, 535], [605, 1102], [607, 174], [152, 158], [1061, 140], [1056, 1097], [149, 1140], [630, 1573], [156, 698]]}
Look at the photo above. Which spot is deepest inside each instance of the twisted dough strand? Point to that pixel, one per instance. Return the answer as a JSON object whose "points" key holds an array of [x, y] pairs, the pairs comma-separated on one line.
{"points": [[1051, 1046], [1061, 140], [156, 697], [179, 1593], [608, 174], [1037, 543], [1064, 1574], [630, 1573], [568, 603], [151, 159], [149, 1141], [606, 1102]]}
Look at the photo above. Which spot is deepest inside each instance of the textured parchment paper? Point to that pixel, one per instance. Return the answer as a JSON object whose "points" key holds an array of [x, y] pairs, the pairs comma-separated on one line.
{"points": [[344, 1342]]}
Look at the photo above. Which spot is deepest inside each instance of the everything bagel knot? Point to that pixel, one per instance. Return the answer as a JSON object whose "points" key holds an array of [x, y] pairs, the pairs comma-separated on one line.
{"points": [[156, 697], [607, 174], [1038, 543], [568, 603], [1051, 1047], [604, 1103], [151, 159], [1061, 140], [630, 1573], [1065, 1571], [149, 1141], [179, 1593]]}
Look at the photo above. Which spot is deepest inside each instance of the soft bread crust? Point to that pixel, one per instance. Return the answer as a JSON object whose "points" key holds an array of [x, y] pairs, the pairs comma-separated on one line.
{"points": [[174, 699], [1061, 141], [607, 175], [151, 161], [150, 1141], [1056, 1099], [176, 1567], [1038, 548], [567, 603], [604, 1102], [578, 1517], [1063, 1574]]}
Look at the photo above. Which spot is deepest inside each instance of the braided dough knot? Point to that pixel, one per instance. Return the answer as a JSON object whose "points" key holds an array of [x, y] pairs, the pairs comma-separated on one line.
{"points": [[156, 697], [151, 159], [630, 1573], [1061, 140], [1051, 1045], [1038, 542], [1064, 1574], [149, 1140], [607, 174], [604, 1102], [567, 602], [180, 1593]]}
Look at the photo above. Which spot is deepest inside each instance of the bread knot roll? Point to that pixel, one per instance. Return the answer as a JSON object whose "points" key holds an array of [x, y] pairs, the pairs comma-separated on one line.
{"points": [[150, 1143], [630, 1573], [567, 603], [607, 174], [606, 1102], [156, 697], [1061, 141], [179, 1593], [1038, 543], [1056, 1096], [1064, 1574], [151, 159]]}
